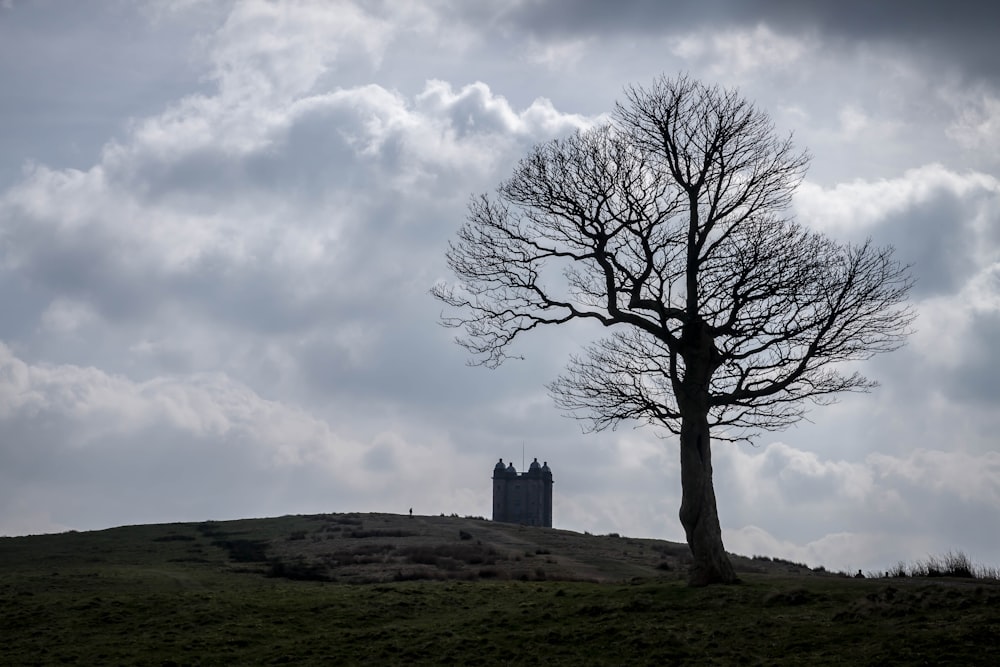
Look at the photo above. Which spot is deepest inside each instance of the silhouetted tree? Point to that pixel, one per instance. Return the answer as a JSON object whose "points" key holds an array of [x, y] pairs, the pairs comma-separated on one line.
{"points": [[668, 226]]}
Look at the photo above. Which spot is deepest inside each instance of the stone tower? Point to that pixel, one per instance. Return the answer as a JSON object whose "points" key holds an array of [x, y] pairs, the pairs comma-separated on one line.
{"points": [[524, 498]]}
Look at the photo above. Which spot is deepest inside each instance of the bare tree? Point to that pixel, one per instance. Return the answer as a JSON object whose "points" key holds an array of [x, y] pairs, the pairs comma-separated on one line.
{"points": [[668, 226]]}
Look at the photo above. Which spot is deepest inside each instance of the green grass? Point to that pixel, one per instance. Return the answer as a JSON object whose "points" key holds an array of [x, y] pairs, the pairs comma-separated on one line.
{"points": [[175, 595]]}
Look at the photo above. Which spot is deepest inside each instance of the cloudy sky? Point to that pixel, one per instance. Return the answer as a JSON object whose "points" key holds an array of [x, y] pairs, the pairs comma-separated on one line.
{"points": [[219, 222]]}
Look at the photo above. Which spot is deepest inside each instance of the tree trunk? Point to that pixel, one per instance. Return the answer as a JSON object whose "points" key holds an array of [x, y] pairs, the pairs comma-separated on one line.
{"points": [[699, 514]]}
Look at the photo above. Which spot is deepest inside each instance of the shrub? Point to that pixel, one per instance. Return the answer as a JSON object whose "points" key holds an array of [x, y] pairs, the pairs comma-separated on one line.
{"points": [[464, 535], [244, 551], [958, 565], [950, 565], [898, 570]]}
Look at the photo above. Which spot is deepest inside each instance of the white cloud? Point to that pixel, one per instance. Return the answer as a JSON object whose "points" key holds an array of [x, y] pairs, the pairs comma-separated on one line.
{"points": [[66, 315], [846, 552], [263, 57], [943, 326], [475, 111], [859, 126], [558, 55], [734, 53], [274, 50], [245, 447], [880, 504], [977, 123], [202, 406], [848, 208], [781, 474], [972, 478], [146, 230], [132, 232]]}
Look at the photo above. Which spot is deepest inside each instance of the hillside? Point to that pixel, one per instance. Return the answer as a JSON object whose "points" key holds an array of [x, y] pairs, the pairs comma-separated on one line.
{"points": [[372, 548], [389, 589]]}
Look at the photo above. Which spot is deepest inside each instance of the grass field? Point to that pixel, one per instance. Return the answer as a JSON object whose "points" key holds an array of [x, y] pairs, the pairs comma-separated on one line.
{"points": [[384, 589]]}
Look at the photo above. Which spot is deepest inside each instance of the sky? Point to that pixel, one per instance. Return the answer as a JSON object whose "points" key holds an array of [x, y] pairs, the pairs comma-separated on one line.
{"points": [[220, 221]]}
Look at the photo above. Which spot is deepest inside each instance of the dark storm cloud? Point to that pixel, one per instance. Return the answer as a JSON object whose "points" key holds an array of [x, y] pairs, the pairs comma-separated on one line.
{"points": [[937, 238], [86, 264], [962, 32]]}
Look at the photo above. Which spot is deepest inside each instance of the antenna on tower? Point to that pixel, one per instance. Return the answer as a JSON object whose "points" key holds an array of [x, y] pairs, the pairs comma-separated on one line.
{"points": [[522, 455]]}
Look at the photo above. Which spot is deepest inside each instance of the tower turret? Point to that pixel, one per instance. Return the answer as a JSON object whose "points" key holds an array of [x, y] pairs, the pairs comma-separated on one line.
{"points": [[499, 490]]}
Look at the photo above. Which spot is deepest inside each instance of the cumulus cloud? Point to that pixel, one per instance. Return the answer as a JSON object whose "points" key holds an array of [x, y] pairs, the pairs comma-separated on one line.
{"points": [[209, 406], [847, 208], [212, 439], [782, 476], [145, 232], [99, 435], [266, 237]]}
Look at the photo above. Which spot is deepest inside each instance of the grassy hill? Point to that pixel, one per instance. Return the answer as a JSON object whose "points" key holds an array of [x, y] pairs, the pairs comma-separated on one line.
{"points": [[389, 589]]}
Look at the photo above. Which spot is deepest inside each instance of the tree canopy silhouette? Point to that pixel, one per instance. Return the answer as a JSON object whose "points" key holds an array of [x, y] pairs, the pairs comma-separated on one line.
{"points": [[668, 226]]}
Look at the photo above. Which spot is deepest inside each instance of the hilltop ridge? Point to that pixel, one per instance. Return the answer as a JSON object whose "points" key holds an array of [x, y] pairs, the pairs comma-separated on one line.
{"points": [[376, 548]]}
